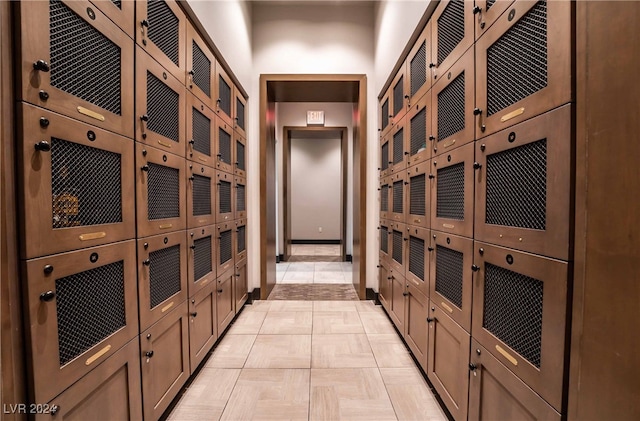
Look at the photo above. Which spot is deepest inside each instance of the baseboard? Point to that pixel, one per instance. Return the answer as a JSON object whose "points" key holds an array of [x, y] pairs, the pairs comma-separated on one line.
{"points": [[349, 258], [253, 295], [372, 295], [315, 242]]}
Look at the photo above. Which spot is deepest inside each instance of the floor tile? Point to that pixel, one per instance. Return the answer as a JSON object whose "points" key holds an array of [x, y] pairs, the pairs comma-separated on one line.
{"points": [[376, 323], [249, 322], [298, 277], [282, 267], [291, 305], [349, 394], [280, 351], [280, 276], [232, 352], [333, 322], [337, 351], [207, 396], [287, 323], [390, 351], [334, 306], [258, 305], [273, 394], [328, 267], [410, 395], [368, 307], [329, 278], [301, 267]]}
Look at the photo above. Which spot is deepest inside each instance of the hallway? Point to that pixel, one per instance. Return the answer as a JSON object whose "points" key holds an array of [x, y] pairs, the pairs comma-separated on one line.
{"points": [[307, 360]]}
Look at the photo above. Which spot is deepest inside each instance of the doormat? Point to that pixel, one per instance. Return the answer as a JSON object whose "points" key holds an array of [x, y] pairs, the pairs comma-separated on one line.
{"points": [[314, 292]]}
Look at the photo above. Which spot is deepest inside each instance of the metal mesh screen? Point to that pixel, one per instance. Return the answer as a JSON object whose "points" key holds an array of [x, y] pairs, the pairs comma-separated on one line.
{"points": [[384, 198], [450, 193], [419, 132], [240, 159], [418, 195], [85, 185], [90, 306], [451, 102], [163, 192], [384, 164], [398, 196], [240, 198], [164, 29], [450, 28], [398, 146], [201, 195], [490, 3], [224, 146], [242, 238], [202, 258], [416, 257], [84, 63], [449, 274], [201, 132], [225, 96], [517, 61], [517, 186], [201, 70], [398, 96], [226, 250], [385, 114], [240, 113], [384, 239], [513, 310], [164, 274], [396, 250], [418, 69], [225, 197], [163, 108]]}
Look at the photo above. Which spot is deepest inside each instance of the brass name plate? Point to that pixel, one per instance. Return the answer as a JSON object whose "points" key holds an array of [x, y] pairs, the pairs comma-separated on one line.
{"points": [[446, 307], [506, 355], [92, 236], [450, 226], [202, 159], [90, 113], [449, 143], [512, 114], [417, 220], [97, 355], [167, 307], [165, 144], [165, 226]]}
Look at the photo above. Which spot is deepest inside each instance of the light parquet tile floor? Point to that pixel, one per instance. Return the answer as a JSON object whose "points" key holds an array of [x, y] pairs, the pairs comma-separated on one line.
{"points": [[288, 360]]}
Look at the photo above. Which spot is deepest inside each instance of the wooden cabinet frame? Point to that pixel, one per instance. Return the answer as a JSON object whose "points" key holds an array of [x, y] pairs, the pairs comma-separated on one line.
{"points": [[386, 165], [423, 221], [203, 326], [398, 267], [421, 285], [385, 294], [194, 104], [194, 221], [239, 255], [35, 85], [400, 82], [385, 224], [239, 99], [121, 16], [195, 285], [397, 136], [424, 38], [467, 41], [225, 304], [227, 118], [398, 299], [194, 37], [398, 180], [239, 140], [237, 182], [227, 265], [416, 333], [385, 182], [485, 18], [223, 177], [421, 155], [221, 165], [240, 287], [385, 116]]}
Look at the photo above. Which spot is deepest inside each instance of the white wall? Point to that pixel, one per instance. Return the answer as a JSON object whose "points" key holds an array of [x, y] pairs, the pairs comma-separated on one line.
{"points": [[294, 114], [329, 38], [315, 189]]}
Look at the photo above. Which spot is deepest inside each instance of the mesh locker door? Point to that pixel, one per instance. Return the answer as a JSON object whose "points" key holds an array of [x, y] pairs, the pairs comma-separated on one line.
{"points": [[76, 62], [399, 162], [418, 256], [453, 191], [224, 197], [160, 191], [417, 252], [241, 240], [490, 11], [397, 248], [419, 192], [523, 185], [385, 190], [200, 196], [240, 116], [200, 132], [160, 105], [225, 247], [201, 258], [200, 67], [121, 13], [385, 114], [397, 199], [418, 66], [497, 393], [224, 147], [385, 160], [452, 34], [384, 240], [163, 34], [525, 41], [162, 272], [451, 274], [398, 93], [453, 117], [418, 71], [418, 125], [80, 314], [241, 198], [225, 96], [241, 159], [86, 174], [519, 312]]}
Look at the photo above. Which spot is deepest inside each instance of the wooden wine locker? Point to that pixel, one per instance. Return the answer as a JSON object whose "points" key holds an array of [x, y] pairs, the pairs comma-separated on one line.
{"points": [[201, 123], [532, 39], [224, 146], [240, 165], [160, 106], [398, 187], [385, 240], [399, 154], [416, 333], [418, 72], [201, 193], [225, 197], [385, 194], [162, 275], [77, 62], [225, 303], [398, 302], [419, 137], [80, 308], [240, 240], [399, 240], [419, 249], [399, 96], [240, 115], [385, 284], [419, 195], [160, 191], [487, 12], [201, 68], [76, 184], [201, 270], [385, 155], [120, 12], [385, 114], [451, 34], [240, 288], [162, 32], [203, 324], [224, 245], [224, 101], [240, 185]]}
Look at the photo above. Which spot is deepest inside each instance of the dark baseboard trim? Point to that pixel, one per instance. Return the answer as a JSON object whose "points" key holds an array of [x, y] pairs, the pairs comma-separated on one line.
{"points": [[316, 242], [254, 295], [281, 258], [372, 295], [348, 258]]}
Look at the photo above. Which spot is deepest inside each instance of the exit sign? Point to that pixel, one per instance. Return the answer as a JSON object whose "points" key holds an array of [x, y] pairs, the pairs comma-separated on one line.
{"points": [[315, 118]]}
